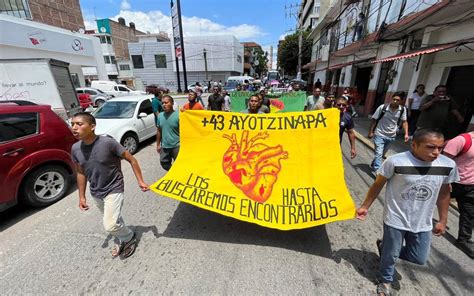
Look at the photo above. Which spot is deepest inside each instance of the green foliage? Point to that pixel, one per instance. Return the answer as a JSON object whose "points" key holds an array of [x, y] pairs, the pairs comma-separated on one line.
{"points": [[288, 52], [262, 58]]}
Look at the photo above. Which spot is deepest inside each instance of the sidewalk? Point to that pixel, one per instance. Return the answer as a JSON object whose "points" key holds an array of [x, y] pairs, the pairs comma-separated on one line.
{"points": [[361, 128]]}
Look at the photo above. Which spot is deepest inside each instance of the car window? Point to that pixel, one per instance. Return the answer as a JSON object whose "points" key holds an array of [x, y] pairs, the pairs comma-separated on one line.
{"points": [[99, 91], [146, 107], [17, 125], [116, 110], [80, 91], [91, 92], [121, 88]]}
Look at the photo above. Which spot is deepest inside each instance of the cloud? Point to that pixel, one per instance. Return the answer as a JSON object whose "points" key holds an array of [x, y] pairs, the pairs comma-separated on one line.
{"points": [[282, 37], [125, 5], [155, 21]]}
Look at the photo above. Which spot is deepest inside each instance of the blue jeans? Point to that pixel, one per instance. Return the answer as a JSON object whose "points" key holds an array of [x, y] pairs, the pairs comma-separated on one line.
{"points": [[416, 249], [381, 146]]}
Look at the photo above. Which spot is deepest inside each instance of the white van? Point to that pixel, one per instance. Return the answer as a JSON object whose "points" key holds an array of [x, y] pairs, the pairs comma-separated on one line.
{"points": [[114, 89], [239, 79]]}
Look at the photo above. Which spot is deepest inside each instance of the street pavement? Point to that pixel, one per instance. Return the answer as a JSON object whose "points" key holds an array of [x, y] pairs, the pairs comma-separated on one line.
{"points": [[182, 249]]}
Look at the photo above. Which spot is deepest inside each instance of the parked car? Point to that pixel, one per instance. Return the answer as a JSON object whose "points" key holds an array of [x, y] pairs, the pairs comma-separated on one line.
{"points": [[35, 160], [114, 89], [129, 120], [152, 88], [98, 97], [203, 86], [84, 100]]}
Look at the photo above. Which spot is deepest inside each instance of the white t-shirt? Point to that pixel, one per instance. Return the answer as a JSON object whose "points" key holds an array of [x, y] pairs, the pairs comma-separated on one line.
{"points": [[415, 105], [313, 103], [412, 189]]}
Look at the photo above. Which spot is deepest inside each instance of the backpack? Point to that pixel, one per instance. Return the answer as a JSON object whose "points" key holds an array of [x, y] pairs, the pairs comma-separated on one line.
{"points": [[384, 109]]}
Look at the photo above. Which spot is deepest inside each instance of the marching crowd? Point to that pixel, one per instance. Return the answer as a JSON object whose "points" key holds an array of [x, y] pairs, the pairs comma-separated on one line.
{"points": [[416, 181]]}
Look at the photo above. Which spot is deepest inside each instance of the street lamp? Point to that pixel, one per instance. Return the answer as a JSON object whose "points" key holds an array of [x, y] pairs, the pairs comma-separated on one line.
{"points": [[204, 52]]}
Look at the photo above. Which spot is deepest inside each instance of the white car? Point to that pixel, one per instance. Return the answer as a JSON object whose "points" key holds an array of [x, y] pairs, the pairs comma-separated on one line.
{"points": [[129, 120]]}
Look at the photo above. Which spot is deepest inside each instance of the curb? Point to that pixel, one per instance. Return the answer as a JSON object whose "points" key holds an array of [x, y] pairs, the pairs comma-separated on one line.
{"points": [[368, 143]]}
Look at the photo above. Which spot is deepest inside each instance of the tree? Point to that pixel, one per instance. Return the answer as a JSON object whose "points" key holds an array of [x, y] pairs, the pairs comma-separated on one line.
{"points": [[288, 52], [262, 58]]}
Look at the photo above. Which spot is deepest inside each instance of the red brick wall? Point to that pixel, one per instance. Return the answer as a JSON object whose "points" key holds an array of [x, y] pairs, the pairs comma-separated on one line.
{"points": [[121, 35], [65, 14]]}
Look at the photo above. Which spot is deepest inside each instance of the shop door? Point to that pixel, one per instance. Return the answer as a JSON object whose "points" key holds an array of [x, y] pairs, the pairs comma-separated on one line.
{"points": [[461, 89], [362, 82], [382, 86]]}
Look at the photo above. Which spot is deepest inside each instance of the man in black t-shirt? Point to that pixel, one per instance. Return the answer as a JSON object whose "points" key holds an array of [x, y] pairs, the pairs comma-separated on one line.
{"points": [[215, 101]]}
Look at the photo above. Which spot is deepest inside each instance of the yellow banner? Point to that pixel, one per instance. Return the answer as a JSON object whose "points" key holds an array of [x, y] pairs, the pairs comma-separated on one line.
{"points": [[281, 170]]}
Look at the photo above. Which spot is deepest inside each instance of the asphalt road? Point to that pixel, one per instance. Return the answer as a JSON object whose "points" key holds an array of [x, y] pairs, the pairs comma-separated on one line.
{"points": [[186, 250]]}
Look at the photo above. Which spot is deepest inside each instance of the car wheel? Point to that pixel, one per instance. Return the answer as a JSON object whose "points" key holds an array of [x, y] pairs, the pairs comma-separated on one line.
{"points": [[45, 185], [130, 142], [99, 103]]}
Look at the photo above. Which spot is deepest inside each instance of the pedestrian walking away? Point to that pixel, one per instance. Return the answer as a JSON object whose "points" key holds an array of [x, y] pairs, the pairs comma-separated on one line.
{"points": [[167, 134], [413, 107], [346, 124], [417, 181], [227, 100], [192, 103], [98, 161], [384, 126], [315, 101], [461, 150], [215, 101], [198, 90]]}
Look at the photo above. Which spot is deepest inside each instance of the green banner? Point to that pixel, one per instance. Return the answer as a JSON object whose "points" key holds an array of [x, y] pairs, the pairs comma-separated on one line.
{"points": [[279, 102]]}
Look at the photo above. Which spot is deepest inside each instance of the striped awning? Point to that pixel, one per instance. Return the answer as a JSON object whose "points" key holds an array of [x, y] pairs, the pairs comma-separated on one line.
{"points": [[423, 50]]}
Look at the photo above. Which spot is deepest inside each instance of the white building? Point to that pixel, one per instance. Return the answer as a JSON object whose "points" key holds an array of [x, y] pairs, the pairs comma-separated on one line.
{"points": [[25, 39], [154, 60]]}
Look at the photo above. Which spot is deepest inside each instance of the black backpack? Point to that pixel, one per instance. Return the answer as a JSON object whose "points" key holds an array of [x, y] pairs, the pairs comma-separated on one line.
{"points": [[384, 109]]}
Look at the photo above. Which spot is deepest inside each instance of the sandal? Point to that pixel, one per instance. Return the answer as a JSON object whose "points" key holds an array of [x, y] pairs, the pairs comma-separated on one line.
{"points": [[129, 247], [383, 290], [379, 247], [125, 249], [117, 250]]}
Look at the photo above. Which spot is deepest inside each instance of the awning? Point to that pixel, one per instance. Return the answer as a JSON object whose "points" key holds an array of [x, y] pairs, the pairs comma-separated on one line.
{"points": [[338, 66], [424, 50]]}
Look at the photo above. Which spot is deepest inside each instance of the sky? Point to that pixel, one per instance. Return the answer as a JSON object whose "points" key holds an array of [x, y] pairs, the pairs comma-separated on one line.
{"points": [[264, 21]]}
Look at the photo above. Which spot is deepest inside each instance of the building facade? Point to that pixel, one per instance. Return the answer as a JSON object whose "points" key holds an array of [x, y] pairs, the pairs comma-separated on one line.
{"points": [[49, 29], [64, 14], [153, 60], [114, 37], [378, 47]]}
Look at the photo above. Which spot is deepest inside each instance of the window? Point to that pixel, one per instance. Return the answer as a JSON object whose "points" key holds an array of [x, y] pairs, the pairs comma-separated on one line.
{"points": [[90, 92], [146, 107], [80, 91], [17, 125], [112, 60], [107, 59], [137, 61], [18, 8], [121, 88], [160, 60], [105, 39], [124, 67]]}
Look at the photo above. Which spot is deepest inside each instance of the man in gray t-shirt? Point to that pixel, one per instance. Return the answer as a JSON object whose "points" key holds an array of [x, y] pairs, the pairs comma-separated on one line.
{"points": [[384, 126], [314, 102], [417, 181], [97, 160]]}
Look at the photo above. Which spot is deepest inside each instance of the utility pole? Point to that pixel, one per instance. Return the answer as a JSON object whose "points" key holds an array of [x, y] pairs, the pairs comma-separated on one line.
{"points": [[204, 52], [182, 45], [177, 41]]}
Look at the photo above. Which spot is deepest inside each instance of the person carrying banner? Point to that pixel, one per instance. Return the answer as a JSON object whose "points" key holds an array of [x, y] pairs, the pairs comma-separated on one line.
{"points": [[156, 104], [417, 181], [97, 160], [253, 105], [167, 134], [192, 103], [261, 107], [346, 124], [461, 150], [315, 101], [384, 126]]}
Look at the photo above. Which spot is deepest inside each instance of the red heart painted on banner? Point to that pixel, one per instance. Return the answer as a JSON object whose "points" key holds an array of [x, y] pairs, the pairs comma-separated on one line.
{"points": [[253, 166]]}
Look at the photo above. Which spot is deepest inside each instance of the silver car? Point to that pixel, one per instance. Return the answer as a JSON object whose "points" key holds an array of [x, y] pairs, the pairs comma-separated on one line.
{"points": [[98, 97]]}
